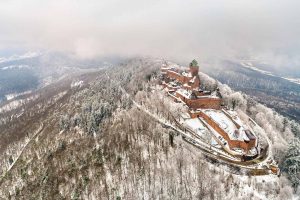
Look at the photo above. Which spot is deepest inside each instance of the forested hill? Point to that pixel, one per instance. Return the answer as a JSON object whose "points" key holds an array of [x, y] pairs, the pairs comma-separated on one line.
{"points": [[82, 137], [25, 73], [17, 80]]}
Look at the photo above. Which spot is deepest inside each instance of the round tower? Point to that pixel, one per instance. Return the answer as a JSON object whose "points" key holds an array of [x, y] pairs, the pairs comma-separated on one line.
{"points": [[194, 68]]}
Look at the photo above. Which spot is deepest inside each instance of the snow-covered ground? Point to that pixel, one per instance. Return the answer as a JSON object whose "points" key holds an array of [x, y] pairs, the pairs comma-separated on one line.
{"points": [[247, 186], [77, 84], [220, 140], [16, 103], [15, 67], [14, 95], [222, 120], [197, 126], [249, 65], [294, 80]]}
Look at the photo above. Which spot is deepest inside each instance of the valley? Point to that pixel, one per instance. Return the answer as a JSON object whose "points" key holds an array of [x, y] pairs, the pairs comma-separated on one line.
{"points": [[273, 91]]}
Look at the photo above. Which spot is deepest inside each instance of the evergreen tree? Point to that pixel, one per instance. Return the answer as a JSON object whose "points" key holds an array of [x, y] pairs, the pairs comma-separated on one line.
{"points": [[194, 63]]}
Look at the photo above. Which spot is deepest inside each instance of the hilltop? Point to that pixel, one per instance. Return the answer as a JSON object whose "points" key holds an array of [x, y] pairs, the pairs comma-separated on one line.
{"points": [[108, 134]]}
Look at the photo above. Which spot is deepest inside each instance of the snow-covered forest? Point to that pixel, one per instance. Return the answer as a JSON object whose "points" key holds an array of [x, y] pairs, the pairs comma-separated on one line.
{"points": [[91, 142]]}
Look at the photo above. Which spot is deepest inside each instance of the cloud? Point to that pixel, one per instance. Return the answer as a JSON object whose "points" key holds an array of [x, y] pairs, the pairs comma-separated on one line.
{"points": [[174, 29]]}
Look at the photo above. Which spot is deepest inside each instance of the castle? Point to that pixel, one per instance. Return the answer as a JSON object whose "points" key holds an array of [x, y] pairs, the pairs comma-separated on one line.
{"points": [[184, 85]]}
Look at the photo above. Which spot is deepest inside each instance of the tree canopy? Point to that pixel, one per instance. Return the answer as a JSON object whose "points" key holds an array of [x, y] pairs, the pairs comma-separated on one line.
{"points": [[194, 63]]}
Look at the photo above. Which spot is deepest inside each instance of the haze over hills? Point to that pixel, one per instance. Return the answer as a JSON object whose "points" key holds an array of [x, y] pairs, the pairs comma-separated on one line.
{"points": [[29, 71], [269, 88]]}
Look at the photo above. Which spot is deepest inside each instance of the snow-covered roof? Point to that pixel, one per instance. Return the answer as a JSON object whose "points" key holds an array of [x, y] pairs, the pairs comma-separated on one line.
{"points": [[185, 93], [234, 116], [187, 74], [229, 126]]}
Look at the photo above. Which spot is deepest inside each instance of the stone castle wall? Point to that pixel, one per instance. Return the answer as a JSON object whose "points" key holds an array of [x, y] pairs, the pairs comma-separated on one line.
{"points": [[181, 79], [194, 70], [205, 103], [232, 143]]}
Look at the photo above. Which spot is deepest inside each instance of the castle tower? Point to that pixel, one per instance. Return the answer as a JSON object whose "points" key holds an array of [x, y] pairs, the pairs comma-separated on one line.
{"points": [[194, 68]]}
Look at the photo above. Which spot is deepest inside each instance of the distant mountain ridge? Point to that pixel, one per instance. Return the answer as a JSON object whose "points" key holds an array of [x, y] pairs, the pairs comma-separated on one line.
{"points": [[276, 92], [31, 70]]}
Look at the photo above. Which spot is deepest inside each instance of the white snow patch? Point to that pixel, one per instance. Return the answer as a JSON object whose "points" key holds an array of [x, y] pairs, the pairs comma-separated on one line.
{"points": [[77, 84], [20, 57], [196, 126], [294, 80], [15, 67], [249, 65], [14, 95], [15, 104]]}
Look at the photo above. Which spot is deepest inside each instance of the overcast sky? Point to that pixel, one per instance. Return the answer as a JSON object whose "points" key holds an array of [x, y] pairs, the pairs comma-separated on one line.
{"points": [[173, 29]]}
